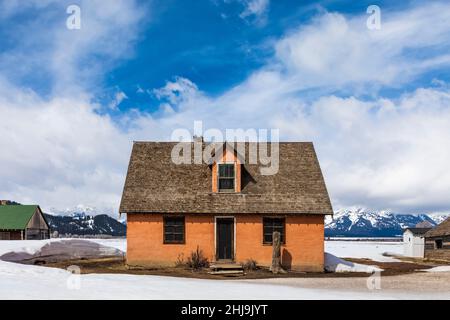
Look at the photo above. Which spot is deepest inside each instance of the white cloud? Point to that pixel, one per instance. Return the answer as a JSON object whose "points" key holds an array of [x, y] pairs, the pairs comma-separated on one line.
{"points": [[139, 89], [380, 153], [253, 11], [69, 60], [335, 50], [59, 152], [177, 91], [12, 7], [256, 9], [386, 153], [119, 96]]}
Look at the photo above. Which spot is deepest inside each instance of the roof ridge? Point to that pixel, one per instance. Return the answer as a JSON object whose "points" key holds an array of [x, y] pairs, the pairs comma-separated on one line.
{"points": [[226, 141]]}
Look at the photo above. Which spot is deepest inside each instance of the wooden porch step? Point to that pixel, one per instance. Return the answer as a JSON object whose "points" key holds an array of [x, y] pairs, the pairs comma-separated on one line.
{"points": [[228, 269], [226, 266], [228, 272]]}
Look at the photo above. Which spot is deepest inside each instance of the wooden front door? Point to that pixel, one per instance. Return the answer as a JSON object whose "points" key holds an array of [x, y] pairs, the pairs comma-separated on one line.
{"points": [[225, 238]]}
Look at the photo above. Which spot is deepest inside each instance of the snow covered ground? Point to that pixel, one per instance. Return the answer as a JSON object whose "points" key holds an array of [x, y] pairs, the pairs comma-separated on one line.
{"points": [[439, 269], [364, 249], [119, 243], [335, 264], [32, 282], [19, 281]]}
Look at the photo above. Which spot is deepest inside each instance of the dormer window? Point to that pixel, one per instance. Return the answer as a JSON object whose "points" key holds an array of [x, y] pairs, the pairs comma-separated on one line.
{"points": [[226, 177]]}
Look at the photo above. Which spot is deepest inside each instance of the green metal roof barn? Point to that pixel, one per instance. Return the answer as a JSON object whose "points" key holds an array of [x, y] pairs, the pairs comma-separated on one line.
{"points": [[22, 222]]}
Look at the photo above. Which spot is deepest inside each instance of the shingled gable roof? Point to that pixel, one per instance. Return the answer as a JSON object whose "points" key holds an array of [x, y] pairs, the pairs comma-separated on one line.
{"points": [[155, 184], [418, 231], [442, 229]]}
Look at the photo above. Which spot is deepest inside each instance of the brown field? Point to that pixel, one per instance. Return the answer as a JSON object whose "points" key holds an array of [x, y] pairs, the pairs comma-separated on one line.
{"points": [[117, 265]]}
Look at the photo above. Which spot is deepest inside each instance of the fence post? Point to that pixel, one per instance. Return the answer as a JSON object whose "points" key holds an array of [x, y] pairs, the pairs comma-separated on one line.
{"points": [[276, 252]]}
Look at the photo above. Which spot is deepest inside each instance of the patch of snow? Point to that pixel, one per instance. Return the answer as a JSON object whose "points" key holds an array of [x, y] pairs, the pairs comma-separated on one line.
{"points": [[335, 264], [28, 246], [118, 243], [438, 269], [373, 250], [33, 246], [64, 250]]}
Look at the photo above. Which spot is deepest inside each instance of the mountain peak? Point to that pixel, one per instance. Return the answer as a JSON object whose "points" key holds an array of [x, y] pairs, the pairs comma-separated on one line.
{"points": [[360, 222], [83, 224], [80, 210]]}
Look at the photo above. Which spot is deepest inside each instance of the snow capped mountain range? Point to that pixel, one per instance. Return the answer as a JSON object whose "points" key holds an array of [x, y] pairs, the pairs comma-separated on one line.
{"points": [[84, 220], [80, 210], [366, 223]]}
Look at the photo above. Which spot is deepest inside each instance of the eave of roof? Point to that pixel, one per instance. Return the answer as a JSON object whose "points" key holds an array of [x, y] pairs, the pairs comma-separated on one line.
{"points": [[418, 231], [441, 230]]}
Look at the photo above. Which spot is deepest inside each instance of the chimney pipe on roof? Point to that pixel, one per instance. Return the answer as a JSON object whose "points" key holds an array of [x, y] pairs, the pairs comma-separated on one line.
{"points": [[197, 138]]}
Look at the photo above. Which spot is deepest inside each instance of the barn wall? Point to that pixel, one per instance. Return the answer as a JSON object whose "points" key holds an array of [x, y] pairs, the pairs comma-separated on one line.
{"points": [[439, 254], [16, 235], [37, 221], [10, 235], [37, 229]]}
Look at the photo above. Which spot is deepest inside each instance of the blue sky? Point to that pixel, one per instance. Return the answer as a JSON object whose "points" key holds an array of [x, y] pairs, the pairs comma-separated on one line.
{"points": [[374, 102], [208, 42]]}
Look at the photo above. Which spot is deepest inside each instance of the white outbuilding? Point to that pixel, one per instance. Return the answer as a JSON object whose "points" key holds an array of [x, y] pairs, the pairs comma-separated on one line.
{"points": [[414, 242]]}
